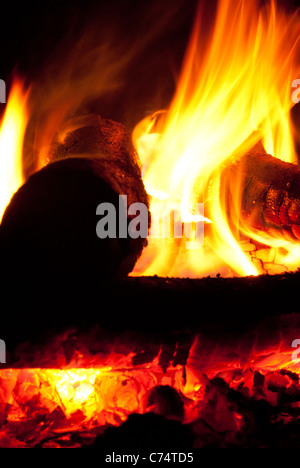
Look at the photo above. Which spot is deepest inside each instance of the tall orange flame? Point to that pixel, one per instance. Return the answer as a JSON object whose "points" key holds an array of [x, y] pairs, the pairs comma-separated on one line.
{"points": [[12, 130], [233, 92]]}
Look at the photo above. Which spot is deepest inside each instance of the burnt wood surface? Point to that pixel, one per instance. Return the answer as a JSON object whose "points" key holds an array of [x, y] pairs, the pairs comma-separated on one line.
{"points": [[50, 223], [145, 313], [39, 301], [270, 194]]}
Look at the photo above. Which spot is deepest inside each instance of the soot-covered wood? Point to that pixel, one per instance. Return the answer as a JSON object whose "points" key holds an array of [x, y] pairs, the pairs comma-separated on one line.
{"points": [[50, 223], [270, 194]]}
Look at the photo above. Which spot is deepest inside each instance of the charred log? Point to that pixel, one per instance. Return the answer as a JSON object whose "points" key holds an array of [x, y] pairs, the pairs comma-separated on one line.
{"points": [[270, 194], [50, 223]]}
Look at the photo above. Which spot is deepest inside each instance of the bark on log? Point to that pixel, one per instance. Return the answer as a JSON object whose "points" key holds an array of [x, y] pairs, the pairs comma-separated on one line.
{"points": [[92, 136], [50, 223], [270, 194]]}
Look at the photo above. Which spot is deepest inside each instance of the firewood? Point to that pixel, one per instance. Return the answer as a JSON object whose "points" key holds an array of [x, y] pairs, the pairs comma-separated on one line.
{"points": [[92, 136], [50, 223], [270, 188]]}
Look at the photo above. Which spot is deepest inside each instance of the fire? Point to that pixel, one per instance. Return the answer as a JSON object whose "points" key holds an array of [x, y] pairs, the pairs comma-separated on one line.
{"points": [[12, 130], [233, 92], [81, 398], [40, 404]]}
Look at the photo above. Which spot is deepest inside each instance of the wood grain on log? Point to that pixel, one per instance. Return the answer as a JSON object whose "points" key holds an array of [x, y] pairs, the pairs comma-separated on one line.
{"points": [[270, 194]]}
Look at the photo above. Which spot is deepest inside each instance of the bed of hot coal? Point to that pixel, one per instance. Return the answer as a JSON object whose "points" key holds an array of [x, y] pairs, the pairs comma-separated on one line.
{"points": [[235, 334]]}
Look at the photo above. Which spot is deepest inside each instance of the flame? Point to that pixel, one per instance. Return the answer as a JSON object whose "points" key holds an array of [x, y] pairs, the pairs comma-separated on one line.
{"points": [[12, 130], [233, 92], [41, 403]]}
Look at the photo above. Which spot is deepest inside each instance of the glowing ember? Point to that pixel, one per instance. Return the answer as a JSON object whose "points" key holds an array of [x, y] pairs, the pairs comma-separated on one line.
{"points": [[40, 404]]}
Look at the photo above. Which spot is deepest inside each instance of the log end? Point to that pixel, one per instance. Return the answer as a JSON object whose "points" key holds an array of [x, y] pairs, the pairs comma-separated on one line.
{"points": [[49, 227]]}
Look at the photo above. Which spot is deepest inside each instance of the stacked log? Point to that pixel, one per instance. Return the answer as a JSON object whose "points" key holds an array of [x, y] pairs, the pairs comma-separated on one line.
{"points": [[50, 223], [269, 194]]}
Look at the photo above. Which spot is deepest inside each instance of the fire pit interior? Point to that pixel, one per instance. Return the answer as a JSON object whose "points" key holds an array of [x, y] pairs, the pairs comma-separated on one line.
{"points": [[150, 226]]}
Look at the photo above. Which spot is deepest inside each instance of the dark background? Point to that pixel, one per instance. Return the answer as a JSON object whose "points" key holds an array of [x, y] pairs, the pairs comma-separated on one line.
{"points": [[36, 35], [37, 38]]}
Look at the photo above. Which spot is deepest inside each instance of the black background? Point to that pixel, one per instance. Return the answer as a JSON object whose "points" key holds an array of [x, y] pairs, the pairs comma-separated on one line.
{"points": [[34, 35]]}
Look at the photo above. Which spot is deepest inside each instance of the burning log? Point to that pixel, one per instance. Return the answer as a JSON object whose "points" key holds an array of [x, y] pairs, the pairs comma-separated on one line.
{"points": [[270, 201], [51, 220]]}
